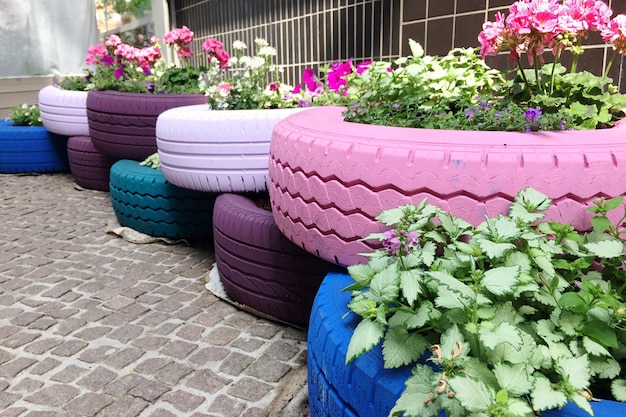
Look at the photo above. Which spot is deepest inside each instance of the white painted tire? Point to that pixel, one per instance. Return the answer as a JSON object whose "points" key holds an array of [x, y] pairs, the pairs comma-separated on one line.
{"points": [[64, 111], [217, 151]]}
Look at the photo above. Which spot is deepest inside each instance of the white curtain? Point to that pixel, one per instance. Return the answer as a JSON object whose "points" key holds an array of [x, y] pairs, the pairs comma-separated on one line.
{"points": [[45, 37]]}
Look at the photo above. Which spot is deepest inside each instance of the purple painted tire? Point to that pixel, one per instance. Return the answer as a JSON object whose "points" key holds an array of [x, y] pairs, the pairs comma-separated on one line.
{"points": [[258, 266], [89, 167], [329, 179], [64, 112], [217, 151], [122, 125]]}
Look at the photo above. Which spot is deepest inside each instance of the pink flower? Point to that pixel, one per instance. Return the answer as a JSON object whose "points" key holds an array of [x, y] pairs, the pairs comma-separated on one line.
{"points": [[95, 53], [179, 37], [215, 49], [113, 40], [492, 36], [311, 81], [362, 67], [615, 33], [337, 75]]}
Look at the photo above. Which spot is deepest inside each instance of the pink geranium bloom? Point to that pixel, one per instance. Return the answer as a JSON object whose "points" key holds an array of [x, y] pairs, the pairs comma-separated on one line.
{"points": [[615, 33], [113, 40], [95, 54]]}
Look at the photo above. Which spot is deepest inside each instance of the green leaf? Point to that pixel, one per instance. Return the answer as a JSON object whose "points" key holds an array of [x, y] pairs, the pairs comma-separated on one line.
{"points": [[544, 397], [501, 280], [494, 250], [362, 274], [575, 371], [385, 284], [600, 224], [606, 249], [474, 395], [503, 333], [594, 348], [606, 368], [618, 389], [533, 200], [364, 307], [429, 250], [546, 330], [613, 203], [601, 333], [574, 302], [410, 284], [366, 335], [581, 402], [393, 216], [418, 388], [450, 340], [416, 49], [513, 378], [402, 348]]}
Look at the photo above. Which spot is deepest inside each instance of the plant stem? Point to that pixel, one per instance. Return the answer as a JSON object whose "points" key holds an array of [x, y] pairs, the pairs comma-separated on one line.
{"points": [[521, 70], [575, 59], [608, 66]]}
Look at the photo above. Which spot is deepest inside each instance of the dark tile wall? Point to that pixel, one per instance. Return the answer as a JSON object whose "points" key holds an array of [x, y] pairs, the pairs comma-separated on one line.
{"points": [[311, 33]]}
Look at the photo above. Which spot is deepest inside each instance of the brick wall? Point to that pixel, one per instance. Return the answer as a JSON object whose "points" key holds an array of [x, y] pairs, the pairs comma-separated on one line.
{"points": [[310, 33]]}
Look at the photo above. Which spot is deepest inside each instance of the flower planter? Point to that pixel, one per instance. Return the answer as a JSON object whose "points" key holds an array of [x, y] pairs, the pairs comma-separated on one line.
{"points": [[63, 111], [217, 151], [122, 125], [30, 149], [364, 388], [258, 266], [329, 179], [144, 201], [89, 167]]}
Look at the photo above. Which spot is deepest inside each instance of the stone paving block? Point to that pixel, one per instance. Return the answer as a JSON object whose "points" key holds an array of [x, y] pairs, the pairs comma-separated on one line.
{"points": [[124, 357], [97, 355], [150, 342], [89, 404], [69, 348], [150, 390], [282, 351], [190, 332], [44, 366], [226, 406], [43, 323], [92, 333], [250, 389], [120, 386], [97, 379], [69, 373], [183, 401], [13, 412], [209, 354], [178, 349], [167, 327], [268, 369], [19, 339], [152, 365], [7, 399], [221, 336], [54, 395], [207, 381], [162, 413], [172, 373], [27, 385], [125, 407], [235, 363], [69, 325], [14, 367]]}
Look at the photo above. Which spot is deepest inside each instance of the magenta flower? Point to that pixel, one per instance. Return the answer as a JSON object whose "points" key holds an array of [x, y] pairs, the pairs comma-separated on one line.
{"points": [[119, 72], [95, 53], [337, 75]]}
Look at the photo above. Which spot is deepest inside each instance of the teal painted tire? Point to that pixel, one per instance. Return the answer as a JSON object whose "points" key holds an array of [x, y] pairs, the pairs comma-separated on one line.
{"points": [[143, 200], [31, 149]]}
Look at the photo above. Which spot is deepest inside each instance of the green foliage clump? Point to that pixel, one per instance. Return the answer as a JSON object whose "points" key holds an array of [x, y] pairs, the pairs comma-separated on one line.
{"points": [[25, 115]]}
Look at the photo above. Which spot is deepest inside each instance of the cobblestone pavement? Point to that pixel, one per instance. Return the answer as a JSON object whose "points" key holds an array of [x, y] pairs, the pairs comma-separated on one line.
{"points": [[92, 325]]}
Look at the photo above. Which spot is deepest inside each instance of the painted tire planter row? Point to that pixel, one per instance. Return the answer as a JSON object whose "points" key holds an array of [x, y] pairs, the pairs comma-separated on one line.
{"points": [[31, 149], [89, 167], [143, 200], [329, 179], [364, 388], [217, 151], [258, 266], [63, 111], [122, 125]]}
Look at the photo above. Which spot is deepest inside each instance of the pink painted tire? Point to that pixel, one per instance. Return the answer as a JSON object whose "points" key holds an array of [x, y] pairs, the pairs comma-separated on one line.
{"points": [[122, 125], [64, 112], [329, 179], [217, 151]]}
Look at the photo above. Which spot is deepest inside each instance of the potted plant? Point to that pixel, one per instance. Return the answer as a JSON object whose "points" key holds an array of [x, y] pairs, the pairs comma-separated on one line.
{"points": [[513, 317], [131, 87], [331, 173], [26, 146], [226, 149], [63, 105]]}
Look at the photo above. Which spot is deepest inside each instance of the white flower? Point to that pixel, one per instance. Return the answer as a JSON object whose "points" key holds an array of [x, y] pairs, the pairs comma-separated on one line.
{"points": [[245, 61], [266, 51], [257, 62], [260, 42], [239, 46]]}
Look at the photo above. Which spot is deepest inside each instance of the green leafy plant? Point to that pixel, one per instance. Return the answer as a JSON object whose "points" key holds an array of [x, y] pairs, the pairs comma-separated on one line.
{"points": [[152, 161], [72, 82], [25, 115], [516, 315], [459, 91]]}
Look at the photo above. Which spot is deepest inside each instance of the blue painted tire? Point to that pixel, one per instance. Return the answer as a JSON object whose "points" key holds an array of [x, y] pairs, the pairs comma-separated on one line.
{"points": [[143, 200], [364, 388], [30, 149]]}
